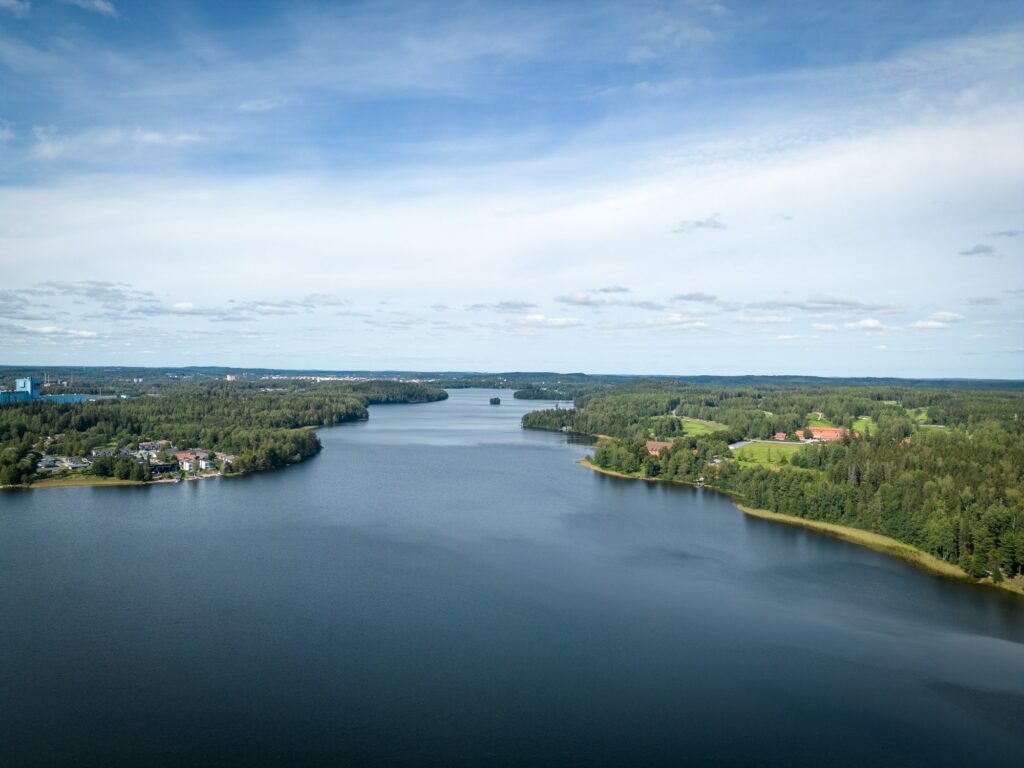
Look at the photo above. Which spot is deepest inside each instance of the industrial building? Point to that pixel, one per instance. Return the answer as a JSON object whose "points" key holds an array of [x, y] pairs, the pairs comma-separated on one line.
{"points": [[27, 390]]}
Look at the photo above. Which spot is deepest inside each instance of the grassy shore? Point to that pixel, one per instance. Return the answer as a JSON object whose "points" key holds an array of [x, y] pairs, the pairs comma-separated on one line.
{"points": [[77, 480], [875, 541]]}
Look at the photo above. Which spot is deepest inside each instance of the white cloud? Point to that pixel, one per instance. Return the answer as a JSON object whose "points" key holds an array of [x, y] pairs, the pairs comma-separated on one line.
{"points": [[938, 320], [542, 321], [763, 319], [588, 209], [17, 8], [109, 143], [712, 222], [102, 7], [673, 321], [867, 324]]}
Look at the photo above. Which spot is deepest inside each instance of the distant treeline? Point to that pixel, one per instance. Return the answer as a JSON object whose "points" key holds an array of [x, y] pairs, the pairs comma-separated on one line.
{"points": [[263, 429], [138, 380], [956, 492]]}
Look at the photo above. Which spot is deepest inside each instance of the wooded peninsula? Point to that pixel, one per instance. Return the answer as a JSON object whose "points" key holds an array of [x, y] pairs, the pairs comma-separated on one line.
{"points": [[227, 427], [939, 469]]}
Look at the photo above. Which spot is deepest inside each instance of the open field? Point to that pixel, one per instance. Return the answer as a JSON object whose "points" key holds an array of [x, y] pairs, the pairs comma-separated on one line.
{"points": [[766, 453], [814, 420], [920, 415], [864, 425], [701, 427]]}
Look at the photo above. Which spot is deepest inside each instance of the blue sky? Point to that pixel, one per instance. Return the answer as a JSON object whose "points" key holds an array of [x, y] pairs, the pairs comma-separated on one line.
{"points": [[689, 187]]}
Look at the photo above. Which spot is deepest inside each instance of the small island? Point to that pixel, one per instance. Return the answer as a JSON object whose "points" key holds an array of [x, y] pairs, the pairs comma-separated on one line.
{"points": [[495, 401]]}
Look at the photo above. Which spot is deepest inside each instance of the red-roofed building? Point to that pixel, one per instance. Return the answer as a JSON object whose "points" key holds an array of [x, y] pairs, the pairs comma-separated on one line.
{"points": [[828, 434], [186, 460], [655, 447], [780, 435]]}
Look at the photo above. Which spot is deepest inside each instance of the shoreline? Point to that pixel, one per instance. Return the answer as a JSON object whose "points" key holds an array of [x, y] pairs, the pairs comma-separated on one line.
{"points": [[875, 541], [91, 481]]}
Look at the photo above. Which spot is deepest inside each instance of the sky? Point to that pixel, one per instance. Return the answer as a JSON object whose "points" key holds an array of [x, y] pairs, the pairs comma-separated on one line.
{"points": [[691, 187]]}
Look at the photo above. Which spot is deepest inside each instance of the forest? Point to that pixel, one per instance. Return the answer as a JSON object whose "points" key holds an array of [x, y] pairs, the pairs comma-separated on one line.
{"points": [[263, 428], [941, 469]]}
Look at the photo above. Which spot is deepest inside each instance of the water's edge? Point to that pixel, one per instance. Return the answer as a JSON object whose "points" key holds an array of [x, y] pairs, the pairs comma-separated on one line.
{"points": [[874, 541]]}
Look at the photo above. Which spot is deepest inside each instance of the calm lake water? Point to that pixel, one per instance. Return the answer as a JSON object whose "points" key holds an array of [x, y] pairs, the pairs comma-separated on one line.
{"points": [[441, 587]]}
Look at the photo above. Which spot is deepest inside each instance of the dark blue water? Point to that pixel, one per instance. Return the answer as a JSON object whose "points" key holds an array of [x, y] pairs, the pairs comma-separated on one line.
{"points": [[440, 587]]}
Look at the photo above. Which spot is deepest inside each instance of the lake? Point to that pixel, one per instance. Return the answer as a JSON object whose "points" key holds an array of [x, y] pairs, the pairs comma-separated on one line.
{"points": [[441, 587]]}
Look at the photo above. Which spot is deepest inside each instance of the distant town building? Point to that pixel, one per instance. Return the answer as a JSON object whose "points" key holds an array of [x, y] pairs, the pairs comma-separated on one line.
{"points": [[27, 390], [780, 435]]}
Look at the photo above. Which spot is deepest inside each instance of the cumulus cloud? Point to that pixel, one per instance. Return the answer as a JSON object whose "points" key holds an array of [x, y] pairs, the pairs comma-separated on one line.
{"points": [[763, 319], [825, 304], [679, 321], [711, 222], [706, 298], [543, 321], [46, 331], [586, 299], [108, 294], [503, 306], [867, 324], [938, 320], [606, 297]]}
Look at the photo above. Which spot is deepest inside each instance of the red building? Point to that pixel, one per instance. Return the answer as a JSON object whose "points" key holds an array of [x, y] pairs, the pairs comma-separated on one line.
{"points": [[655, 447], [780, 435], [828, 434]]}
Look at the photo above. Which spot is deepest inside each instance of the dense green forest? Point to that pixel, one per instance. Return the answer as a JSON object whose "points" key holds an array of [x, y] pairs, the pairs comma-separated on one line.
{"points": [[264, 429], [941, 469]]}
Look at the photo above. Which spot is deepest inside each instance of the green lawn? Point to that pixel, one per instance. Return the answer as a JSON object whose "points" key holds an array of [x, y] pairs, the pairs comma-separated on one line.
{"points": [[864, 425], [77, 478], [765, 453], [920, 415], [814, 421], [701, 427]]}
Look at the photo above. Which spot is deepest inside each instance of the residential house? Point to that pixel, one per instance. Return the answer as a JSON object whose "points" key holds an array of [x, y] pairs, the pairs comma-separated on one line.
{"points": [[186, 460], [655, 447]]}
